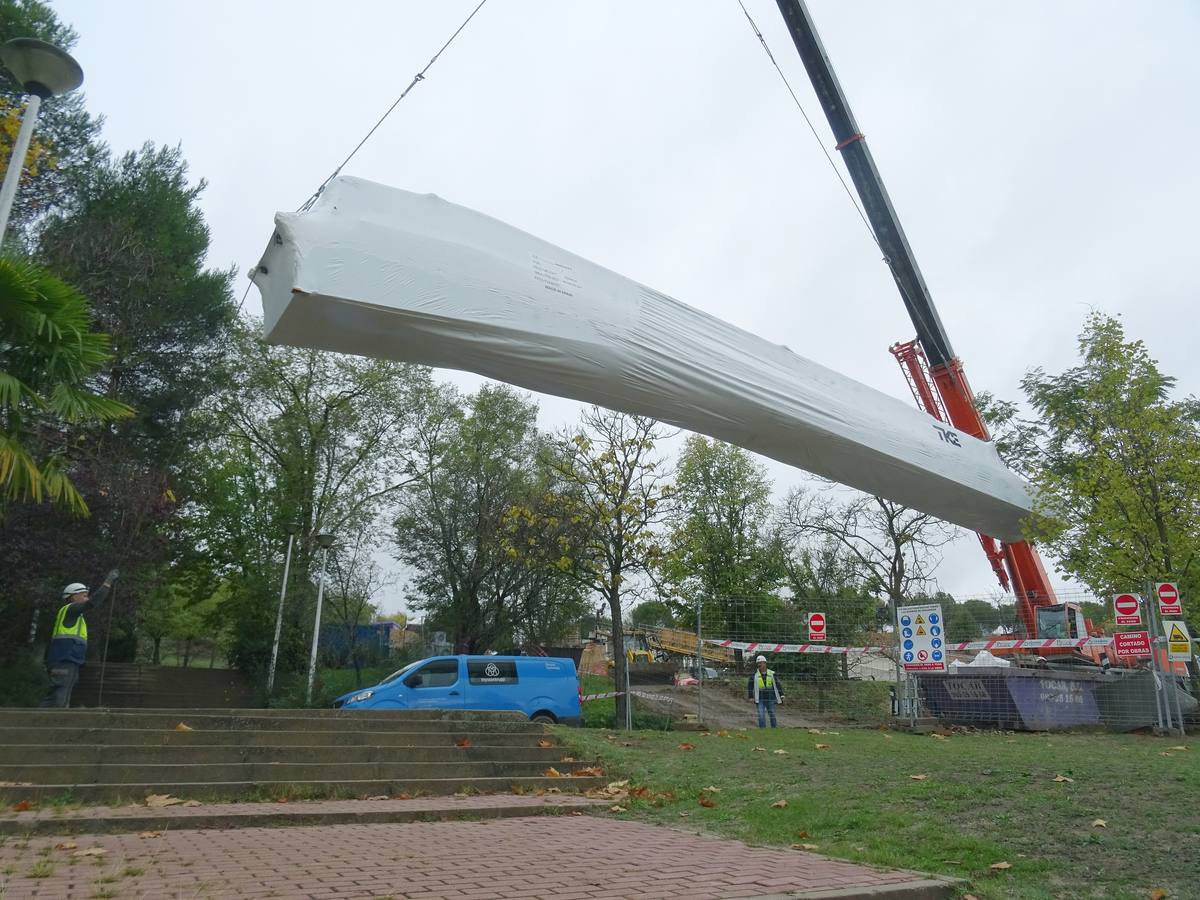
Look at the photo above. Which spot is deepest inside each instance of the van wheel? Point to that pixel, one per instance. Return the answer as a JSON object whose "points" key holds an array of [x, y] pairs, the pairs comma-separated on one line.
{"points": [[543, 718]]}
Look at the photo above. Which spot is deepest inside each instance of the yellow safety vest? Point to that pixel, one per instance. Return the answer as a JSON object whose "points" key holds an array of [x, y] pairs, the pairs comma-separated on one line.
{"points": [[766, 679], [78, 631]]}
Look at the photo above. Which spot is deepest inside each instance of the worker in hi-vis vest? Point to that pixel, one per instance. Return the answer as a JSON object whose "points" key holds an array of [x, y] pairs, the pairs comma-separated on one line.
{"points": [[764, 689], [68, 640]]}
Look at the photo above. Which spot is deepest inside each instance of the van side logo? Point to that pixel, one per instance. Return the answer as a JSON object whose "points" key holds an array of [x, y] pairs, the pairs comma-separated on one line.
{"points": [[492, 670], [950, 437]]}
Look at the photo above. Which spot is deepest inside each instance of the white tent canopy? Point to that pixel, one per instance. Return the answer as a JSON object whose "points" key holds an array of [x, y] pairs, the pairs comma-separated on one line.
{"points": [[381, 272]]}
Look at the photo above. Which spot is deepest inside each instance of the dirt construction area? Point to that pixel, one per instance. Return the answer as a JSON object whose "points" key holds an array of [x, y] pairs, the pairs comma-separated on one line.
{"points": [[719, 707]]}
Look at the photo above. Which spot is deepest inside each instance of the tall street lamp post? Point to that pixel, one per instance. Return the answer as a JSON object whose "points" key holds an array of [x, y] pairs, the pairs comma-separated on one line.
{"points": [[292, 529], [44, 71], [325, 540]]}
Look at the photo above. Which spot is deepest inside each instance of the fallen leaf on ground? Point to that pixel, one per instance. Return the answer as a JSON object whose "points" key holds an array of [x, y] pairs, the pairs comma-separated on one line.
{"points": [[686, 746], [708, 802], [568, 759], [1159, 894], [617, 785], [760, 749], [592, 772], [1061, 778], [184, 727], [918, 777], [149, 834], [158, 801], [805, 847], [403, 796], [386, 797], [545, 745], [801, 834], [1180, 747], [936, 736], [466, 742], [779, 804], [616, 809], [722, 733], [90, 851], [518, 790], [684, 815], [1000, 866], [552, 773], [824, 746], [193, 803], [1099, 823], [22, 806], [781, 753], [577, 813], [66, 845], [712, 790], [815, 731]]}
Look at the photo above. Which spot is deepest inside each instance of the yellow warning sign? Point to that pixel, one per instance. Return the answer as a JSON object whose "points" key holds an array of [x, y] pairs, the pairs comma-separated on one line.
{"points": [[920, 630], [1179, 642], [920, 621]]}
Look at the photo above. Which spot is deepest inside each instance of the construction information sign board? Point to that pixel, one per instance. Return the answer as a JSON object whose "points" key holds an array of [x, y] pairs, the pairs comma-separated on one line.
{"points": [[1169, 603], [1179, 642], [1131, 643], [922, 638], [1128, 609]]}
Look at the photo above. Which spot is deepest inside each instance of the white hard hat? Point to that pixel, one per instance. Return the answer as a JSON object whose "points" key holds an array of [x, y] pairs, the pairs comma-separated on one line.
{"points": [[761, 658], [74, 588]]}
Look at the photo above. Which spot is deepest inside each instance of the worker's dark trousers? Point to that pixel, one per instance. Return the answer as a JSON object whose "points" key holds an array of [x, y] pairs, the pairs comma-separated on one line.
{"points": [[62, 680], [766, 707]]}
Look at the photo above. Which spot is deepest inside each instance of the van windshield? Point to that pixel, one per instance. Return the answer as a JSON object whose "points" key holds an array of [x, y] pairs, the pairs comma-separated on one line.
{"points": [[399, 673]]}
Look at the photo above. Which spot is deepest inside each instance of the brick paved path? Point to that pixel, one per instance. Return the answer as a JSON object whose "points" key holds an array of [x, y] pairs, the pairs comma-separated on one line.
{"points": [[563, 857]]}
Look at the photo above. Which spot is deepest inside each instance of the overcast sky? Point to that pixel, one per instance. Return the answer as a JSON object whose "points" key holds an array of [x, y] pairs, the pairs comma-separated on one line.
{"points": [[1040, 155]]}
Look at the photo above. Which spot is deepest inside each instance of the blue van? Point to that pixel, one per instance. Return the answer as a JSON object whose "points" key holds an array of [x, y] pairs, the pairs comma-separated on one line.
{"points": [[543, 688]]}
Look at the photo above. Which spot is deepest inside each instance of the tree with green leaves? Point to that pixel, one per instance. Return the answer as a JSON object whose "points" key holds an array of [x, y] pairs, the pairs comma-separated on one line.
{"points": [[1114, 458], [597, 519], [48, 354], [722, 550], [320, 440], [480, 462], [895, 549]]}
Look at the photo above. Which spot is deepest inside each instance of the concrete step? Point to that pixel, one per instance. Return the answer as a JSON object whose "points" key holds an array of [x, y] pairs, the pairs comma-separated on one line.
{"points": [[58, 820], [110, 754], [290, 772], [281, 738], [292, 720], [64, 792]]}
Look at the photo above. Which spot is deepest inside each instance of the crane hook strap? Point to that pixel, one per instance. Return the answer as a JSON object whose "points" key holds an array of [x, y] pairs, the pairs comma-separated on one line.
{"points": [[850, 140]]}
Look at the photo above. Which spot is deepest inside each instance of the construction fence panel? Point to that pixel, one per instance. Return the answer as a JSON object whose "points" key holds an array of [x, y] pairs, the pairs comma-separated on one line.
{"points": [[857, 661]]}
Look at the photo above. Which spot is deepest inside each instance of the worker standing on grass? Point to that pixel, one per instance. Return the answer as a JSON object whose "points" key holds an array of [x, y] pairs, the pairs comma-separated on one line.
{"points": [[763, 688], [68, 641]]}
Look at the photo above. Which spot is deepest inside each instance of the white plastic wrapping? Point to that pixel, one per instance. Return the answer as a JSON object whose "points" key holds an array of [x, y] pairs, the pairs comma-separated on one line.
{"points": [[381, 272]]}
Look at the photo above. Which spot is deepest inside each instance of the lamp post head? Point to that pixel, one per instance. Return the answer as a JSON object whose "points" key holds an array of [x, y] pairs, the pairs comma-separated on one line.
{"points": [[325, 540], [41, 68], [292, 528]]}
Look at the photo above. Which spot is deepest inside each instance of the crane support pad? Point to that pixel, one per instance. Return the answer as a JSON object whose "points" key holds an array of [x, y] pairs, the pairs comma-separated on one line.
{"points": [[380, 272]]}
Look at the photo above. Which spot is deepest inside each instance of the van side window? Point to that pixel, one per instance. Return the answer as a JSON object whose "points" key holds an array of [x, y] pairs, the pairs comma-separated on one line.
{"points": [[492, 671], [439, 673]]}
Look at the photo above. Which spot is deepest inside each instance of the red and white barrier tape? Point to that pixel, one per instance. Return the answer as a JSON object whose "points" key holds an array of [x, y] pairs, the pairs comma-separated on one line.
{"points": [[994, 644]]}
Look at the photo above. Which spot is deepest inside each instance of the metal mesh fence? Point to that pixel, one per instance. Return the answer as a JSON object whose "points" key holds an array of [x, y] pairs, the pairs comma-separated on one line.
{"points": [[940, 660]]}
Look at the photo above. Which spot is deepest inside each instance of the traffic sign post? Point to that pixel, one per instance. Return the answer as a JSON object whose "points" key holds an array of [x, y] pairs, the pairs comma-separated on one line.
{"points": [[922, 638], [1132, 643], [816, 626], [1169, 603], [1179, 641], [1128, 609]]}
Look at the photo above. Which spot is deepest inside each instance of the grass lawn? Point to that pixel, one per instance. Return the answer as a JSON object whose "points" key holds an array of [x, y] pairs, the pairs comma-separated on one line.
{"points": [[985, 798]]}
